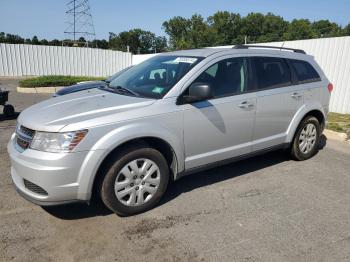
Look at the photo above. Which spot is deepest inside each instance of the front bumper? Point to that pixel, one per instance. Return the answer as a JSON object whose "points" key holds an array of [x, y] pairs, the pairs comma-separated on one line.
{"points": [[55, 173]]}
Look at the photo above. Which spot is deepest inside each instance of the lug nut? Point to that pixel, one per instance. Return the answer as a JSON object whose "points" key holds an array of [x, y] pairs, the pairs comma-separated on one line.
{"points": [[137, 188], [132, 184], [143, 183], [142, 176], [135, 177]]}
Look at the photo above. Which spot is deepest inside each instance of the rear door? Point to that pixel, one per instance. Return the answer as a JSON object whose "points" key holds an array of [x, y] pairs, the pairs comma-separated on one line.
{"points": [[222, 127], [278, 100]]}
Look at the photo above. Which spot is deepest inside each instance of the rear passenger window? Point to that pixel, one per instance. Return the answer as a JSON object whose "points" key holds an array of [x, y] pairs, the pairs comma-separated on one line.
{"points": [[304, 71], [272, 72]]}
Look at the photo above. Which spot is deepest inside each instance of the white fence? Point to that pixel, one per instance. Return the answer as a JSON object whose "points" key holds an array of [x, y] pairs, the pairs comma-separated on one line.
{"points": [[23, 60], [333, 55]]}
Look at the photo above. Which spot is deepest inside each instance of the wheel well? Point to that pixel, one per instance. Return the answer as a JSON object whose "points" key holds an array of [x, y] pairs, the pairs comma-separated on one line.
{"points": [[154, 142], [318, 114]]}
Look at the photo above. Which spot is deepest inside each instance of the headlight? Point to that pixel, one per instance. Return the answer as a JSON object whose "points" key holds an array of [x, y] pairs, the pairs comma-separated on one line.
{"points": [[57, 142]]}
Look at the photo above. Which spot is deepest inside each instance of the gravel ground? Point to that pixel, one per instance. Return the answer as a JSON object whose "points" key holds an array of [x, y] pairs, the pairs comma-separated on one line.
{"points": [[267, 208]]}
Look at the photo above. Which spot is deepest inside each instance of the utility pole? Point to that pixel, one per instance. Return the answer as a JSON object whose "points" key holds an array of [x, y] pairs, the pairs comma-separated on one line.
{"points": [[80, 25], [74, 32]]}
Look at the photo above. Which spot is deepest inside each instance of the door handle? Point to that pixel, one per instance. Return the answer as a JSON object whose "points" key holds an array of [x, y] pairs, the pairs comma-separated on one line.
{"points": [[296, 95], [245, 105]]}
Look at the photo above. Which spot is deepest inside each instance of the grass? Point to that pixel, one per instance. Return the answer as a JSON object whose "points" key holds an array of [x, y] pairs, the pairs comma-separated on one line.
{"points": [[43, 81], [339, 123]]}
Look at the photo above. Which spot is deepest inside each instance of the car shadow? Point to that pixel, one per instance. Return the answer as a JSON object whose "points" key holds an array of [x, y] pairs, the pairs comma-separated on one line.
{"points": [[78, 210], [183, 185], [13, 117], [226, 172]]}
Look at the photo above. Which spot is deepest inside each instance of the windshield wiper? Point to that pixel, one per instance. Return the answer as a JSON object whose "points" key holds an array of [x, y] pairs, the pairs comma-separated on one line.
{"points": [[121, 88]]}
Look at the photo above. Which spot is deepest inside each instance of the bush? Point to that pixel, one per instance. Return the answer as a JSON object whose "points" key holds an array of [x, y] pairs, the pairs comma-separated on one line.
{"points": [[43, 81], [339, 123]]}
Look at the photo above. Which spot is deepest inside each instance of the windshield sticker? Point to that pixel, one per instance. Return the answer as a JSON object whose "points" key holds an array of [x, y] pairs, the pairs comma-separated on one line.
{"points": [[157, 89], [189, 60]]}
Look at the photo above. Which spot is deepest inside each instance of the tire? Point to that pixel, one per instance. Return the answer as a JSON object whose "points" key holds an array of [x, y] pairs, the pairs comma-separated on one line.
{"points": [[9, 110], [306, 140], [119, 179]]}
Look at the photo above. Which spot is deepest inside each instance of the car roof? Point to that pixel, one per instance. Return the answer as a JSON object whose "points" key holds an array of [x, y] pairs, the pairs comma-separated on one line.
{"points": [[205, 52], [202, 52]]}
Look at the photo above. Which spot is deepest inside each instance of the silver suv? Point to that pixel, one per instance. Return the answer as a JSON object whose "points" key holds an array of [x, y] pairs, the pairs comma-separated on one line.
{"points": [[169, 116]]}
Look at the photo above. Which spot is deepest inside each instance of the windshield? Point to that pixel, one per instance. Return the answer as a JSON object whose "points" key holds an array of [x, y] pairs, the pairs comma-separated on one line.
{"points": [[154, 77], [111, 78]]}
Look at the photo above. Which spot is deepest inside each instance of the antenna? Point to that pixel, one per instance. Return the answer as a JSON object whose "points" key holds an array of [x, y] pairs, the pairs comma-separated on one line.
{"points": [[80, 23]]}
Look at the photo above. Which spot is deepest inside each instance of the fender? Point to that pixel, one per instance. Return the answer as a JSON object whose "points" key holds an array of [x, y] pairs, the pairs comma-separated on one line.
{"points": [[115, 138], [299, 115]]}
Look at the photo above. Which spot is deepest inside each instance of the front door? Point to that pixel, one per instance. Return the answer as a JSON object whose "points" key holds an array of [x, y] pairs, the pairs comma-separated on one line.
{"points": [[222, 127]]}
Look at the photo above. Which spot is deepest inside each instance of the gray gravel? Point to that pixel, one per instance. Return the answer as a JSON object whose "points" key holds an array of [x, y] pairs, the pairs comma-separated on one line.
{"points": [[267, 208]]}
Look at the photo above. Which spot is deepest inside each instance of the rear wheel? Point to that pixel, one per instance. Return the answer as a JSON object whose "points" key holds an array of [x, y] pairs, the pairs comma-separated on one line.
{"points": [[135, 180], [306, 140]]}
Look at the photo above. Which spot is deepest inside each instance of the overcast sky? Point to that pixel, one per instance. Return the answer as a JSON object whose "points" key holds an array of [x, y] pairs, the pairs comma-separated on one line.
{"points": [[46, 18]]}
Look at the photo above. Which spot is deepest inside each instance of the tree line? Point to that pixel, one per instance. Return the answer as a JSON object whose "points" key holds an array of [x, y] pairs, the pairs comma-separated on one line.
{"points": [[222, 28]]}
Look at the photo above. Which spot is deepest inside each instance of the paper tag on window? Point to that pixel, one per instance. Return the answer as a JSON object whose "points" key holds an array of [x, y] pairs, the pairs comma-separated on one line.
{"points": [[189, 60]]}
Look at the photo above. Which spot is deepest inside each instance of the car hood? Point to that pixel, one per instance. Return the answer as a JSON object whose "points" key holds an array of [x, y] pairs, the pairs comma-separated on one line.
{"points": [[85, 106], [79, 87]]}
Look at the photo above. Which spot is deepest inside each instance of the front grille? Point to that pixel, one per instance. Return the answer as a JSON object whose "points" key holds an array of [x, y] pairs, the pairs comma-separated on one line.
{"points": [[34, 188], [24, 137], [27, 131]]}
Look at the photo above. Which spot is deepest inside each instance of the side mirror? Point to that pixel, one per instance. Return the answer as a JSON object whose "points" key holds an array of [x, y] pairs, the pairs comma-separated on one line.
{"points": [[198, 92]]}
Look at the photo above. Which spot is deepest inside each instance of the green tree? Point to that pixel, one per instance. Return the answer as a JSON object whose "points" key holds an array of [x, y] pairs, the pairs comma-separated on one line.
{"points": [[138, 40], [272, 28], [28, 41], [189, 33], [252, 27], [35, 40], [299, 29], [55, 42], [325, 28], [2, 37], [178, 30], [44, 42], [13, 39], [161, 44], [226, 27], [200, 34], [346, 30]]}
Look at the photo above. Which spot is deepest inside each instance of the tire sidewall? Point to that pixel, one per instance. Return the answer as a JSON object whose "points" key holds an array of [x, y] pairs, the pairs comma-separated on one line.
{"points": [[296, 152], [107, 190]]}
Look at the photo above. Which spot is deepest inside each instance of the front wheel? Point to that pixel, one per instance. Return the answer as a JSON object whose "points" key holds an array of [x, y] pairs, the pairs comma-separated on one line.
{"points": [[135, 180], [307, 138]]}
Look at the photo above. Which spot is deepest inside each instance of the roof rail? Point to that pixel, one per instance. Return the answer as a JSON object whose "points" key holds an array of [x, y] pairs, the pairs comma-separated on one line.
{"points": [[270, 47]]}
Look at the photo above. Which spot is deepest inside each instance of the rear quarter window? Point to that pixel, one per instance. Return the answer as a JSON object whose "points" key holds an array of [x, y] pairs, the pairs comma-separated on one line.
{"points": [[304, 71]]}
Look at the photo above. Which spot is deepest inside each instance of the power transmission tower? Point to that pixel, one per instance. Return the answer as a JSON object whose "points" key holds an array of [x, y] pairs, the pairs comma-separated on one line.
{"points": [[80, 23]]}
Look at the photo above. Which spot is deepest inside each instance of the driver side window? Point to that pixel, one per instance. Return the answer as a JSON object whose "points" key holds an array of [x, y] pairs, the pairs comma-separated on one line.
{"points": [[227, 77]]}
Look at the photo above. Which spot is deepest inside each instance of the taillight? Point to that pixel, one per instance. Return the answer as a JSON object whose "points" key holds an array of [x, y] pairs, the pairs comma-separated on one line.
{"points": [[330, 87]]}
